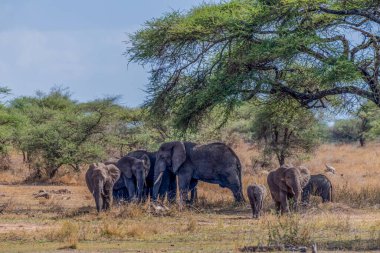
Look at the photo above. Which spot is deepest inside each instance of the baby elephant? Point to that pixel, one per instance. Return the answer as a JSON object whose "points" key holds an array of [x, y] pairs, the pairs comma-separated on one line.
{"points": [[319, 185], [100, 179], [256, 194]]}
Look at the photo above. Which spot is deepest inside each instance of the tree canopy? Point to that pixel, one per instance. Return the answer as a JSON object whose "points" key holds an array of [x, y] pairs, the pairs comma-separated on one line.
{"points": [[319, 53]]}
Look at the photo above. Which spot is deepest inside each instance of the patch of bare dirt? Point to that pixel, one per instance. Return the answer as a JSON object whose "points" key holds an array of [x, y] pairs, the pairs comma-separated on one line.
{"points": [[17, 227]]}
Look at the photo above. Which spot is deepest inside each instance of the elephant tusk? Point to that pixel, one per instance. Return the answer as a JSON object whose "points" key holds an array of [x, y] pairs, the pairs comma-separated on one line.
{"points": [[158, 178]]}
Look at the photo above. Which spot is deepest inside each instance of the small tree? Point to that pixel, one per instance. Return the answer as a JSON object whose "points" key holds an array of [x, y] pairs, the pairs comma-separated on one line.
{"points": [[368, 114], [285, 129], [361, 126], [346, 130]]}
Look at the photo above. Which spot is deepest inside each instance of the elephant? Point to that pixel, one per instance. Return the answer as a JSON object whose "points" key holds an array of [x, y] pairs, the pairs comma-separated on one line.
{"points": [[318, 185], [256, 194], [213, 163], [169, 180], [133, 174], [287, 183], [100, 179]]}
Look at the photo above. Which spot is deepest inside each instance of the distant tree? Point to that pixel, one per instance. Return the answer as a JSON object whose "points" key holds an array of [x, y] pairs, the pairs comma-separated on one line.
{"points": [[360, 126], [346, 130], [285, 129]]}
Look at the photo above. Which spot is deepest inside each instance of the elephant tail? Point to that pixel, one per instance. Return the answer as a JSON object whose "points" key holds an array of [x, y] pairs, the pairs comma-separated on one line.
{"points": [[239, 168], [331, 192]]}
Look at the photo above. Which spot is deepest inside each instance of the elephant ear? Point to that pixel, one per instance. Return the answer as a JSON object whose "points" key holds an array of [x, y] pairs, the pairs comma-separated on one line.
{"points": [[146, 162], [125, 166], [304, 176], [178, 155], [113, 172], [282, 183]]}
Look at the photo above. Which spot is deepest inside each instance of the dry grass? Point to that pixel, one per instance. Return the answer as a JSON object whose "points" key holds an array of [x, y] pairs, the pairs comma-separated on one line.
{"points": [[214, 224]]}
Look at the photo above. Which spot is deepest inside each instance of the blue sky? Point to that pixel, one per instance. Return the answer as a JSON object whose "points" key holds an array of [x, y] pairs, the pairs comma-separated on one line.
{"points": [[75, 44]]}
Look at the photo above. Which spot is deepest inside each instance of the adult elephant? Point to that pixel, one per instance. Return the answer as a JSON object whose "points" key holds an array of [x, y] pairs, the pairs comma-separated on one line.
{"points": [[286, 183], [133, 173], [100, 179], [213, 163]]}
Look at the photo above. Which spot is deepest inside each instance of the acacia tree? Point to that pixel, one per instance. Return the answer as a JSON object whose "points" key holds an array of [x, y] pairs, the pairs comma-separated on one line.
{"points": [[285, 129], [58, 131], [319, 53]]}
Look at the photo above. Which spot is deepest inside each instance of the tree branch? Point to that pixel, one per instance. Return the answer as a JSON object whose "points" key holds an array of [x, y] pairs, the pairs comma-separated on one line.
{"points": [[306, 98], [355, 12]]}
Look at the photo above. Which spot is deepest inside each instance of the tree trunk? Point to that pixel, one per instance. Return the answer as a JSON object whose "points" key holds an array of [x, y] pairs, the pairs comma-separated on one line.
{"points": [[281, 158], [53, 172], [362, 141], [24, 159]]}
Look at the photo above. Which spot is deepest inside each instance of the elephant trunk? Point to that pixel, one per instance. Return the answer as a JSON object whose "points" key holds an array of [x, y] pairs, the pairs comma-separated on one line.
{"points": [[157, 184], [98, 195], [140, 185], [297, 190], [159, 169]]}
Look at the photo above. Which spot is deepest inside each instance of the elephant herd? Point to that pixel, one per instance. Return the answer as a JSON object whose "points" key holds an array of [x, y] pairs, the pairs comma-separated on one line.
{"points": [[156, 175]]}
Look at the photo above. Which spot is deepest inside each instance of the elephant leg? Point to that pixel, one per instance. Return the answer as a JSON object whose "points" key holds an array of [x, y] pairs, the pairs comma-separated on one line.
{"points": [[233, 183], [325, 195], [150, 191], [172, 191], [115, 194], [253, 207], [145, 194], [107, 197], [261, 206], [278, 207], [236, 191], [130, 185], [284, 202], [258, 201], [121, 195], [184, 184], [305, 197], [194, 191]]}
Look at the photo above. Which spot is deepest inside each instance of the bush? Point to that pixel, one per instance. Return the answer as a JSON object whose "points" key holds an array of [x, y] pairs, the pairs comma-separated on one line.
{"points": [[289, 231]]}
